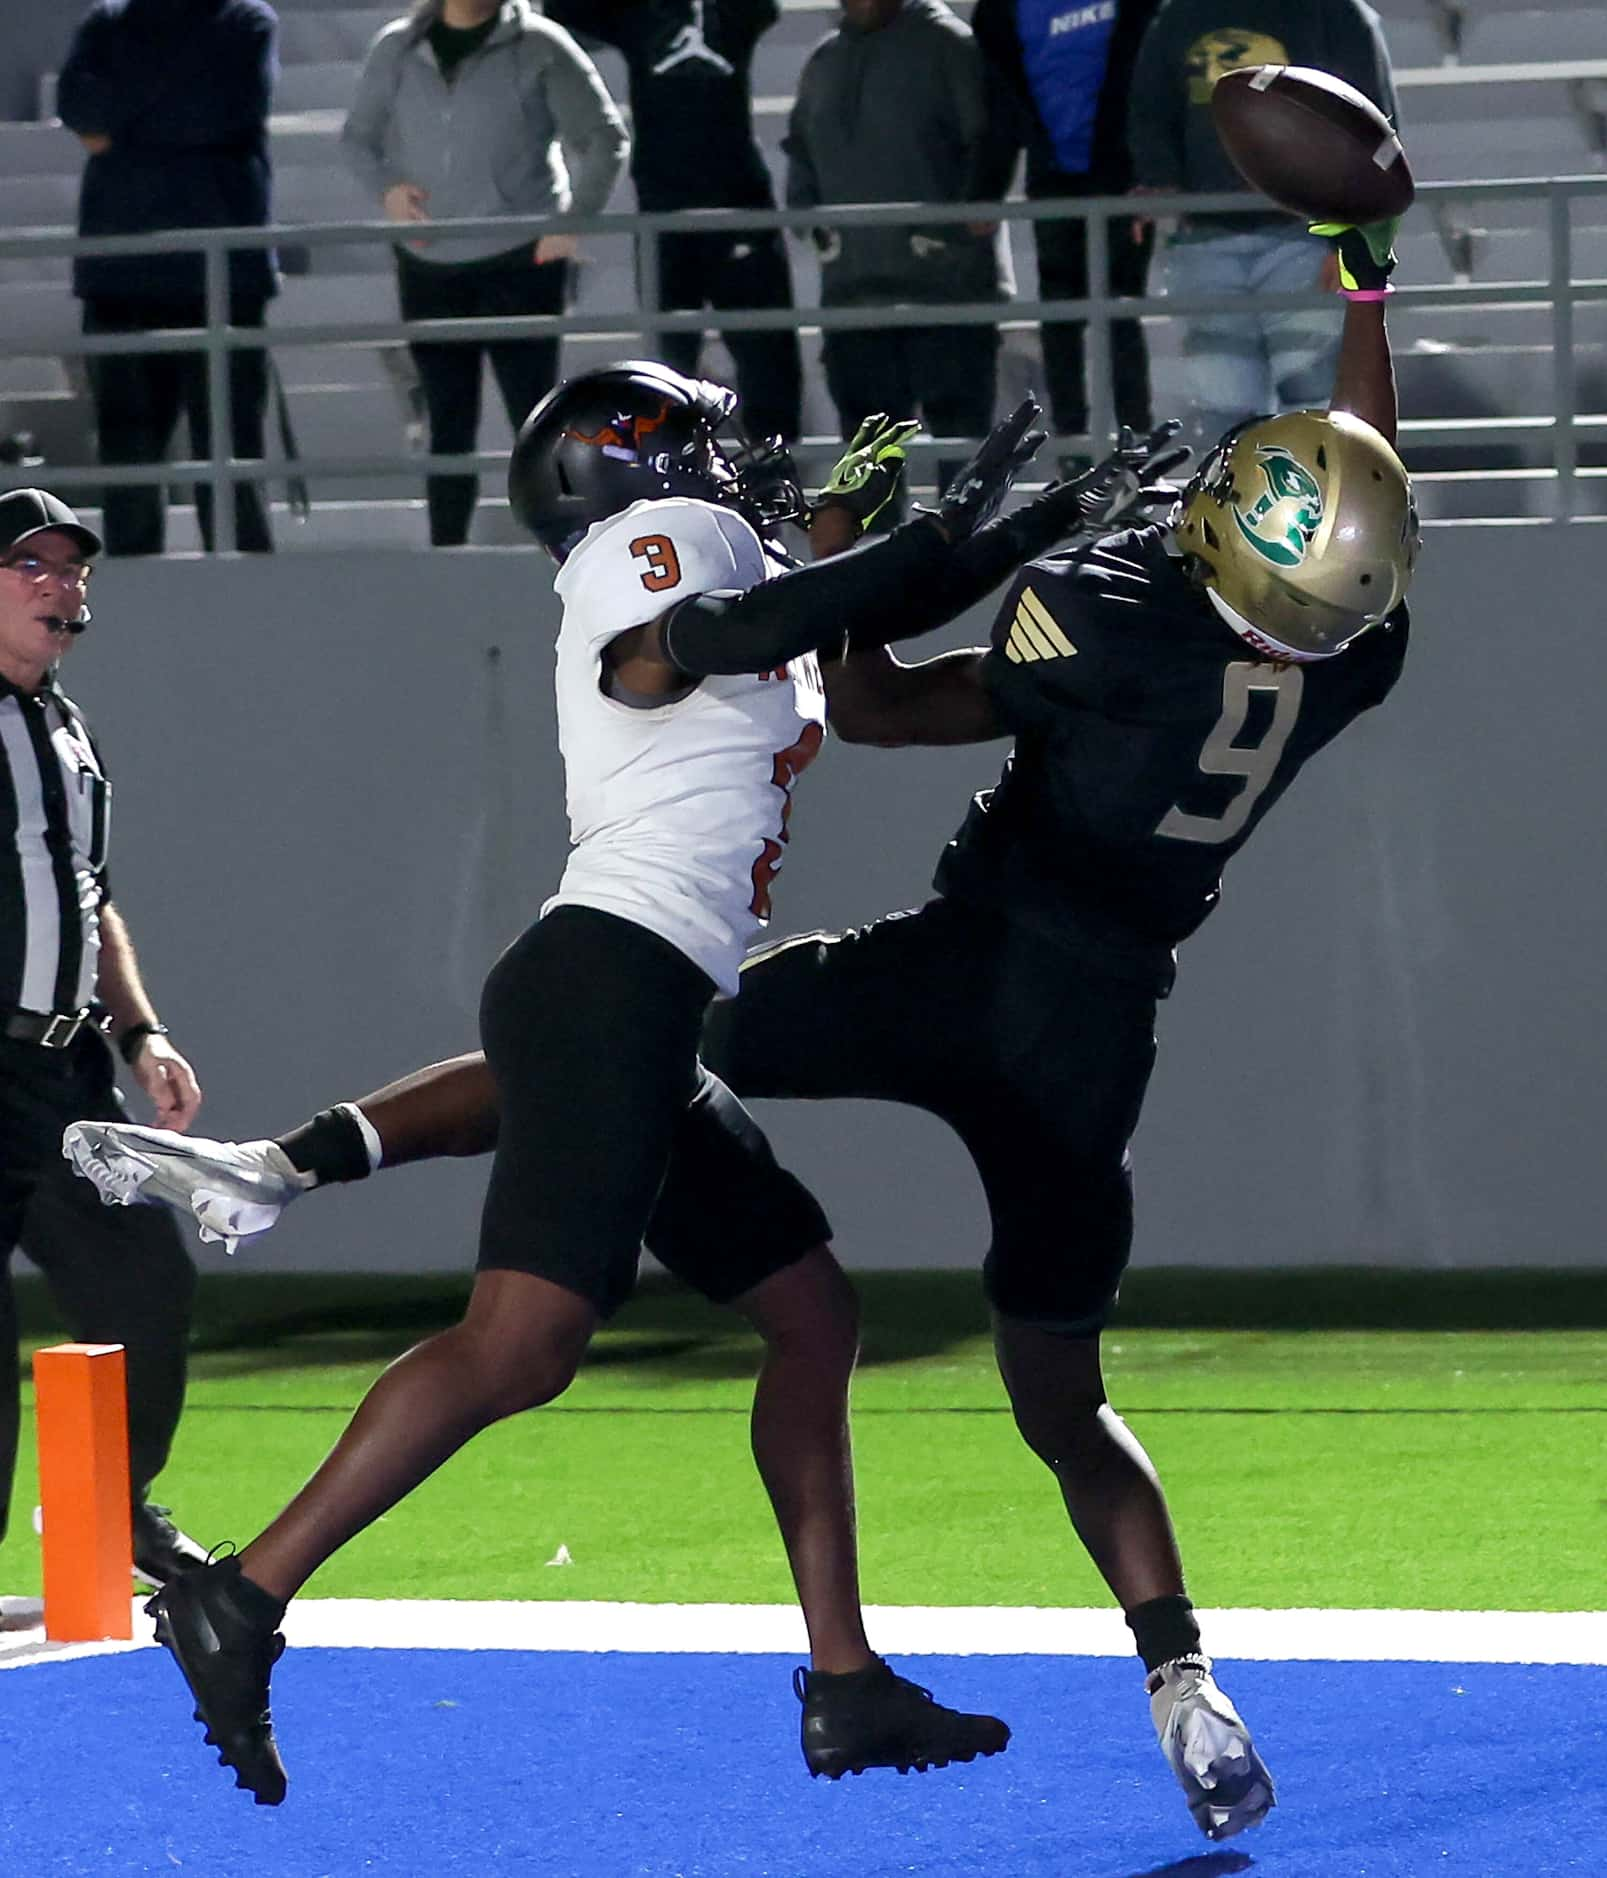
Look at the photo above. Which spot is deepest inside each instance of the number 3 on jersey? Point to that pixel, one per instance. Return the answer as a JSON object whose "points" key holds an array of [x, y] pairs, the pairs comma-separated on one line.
{"points": [[663, 563], [789, 765], [1254, 763]]}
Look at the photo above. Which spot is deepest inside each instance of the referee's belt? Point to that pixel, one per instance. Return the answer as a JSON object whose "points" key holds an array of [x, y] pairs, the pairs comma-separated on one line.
{"points": [[52, 1030]]}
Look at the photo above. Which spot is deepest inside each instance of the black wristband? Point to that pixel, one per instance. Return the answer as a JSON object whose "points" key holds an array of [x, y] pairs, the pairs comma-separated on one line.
{"points": [[128, 1045]]}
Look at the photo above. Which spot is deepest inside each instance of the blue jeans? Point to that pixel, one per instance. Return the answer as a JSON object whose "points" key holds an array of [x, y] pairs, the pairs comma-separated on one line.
{"points": [[1244, 364]]}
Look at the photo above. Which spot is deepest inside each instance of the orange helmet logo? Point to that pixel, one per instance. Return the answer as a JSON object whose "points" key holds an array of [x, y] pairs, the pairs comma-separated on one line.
{"points": [[625, 432]]}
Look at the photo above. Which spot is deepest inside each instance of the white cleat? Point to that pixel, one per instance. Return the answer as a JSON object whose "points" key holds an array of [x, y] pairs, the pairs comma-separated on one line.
{"points": [[1209, 1748], [233, 1190]]}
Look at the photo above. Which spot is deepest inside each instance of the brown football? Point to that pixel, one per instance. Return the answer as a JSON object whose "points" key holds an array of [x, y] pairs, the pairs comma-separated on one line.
{"points": [[1312, 143]]}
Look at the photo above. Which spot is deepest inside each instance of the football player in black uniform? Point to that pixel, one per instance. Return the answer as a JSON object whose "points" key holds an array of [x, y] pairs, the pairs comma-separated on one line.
{"points": [[1164, 685]]}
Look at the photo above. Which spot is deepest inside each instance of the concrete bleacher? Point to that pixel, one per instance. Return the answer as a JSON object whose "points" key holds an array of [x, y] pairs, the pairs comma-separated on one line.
{"points": [[1453, 364]]}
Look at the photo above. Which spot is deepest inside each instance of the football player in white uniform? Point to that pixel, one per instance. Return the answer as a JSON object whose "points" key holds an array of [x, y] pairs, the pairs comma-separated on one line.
{"points": [[689, 700], [1138, 640]]}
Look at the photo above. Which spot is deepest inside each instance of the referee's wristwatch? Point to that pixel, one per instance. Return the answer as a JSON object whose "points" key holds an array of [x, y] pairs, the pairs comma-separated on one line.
{"points": [[132, 1040]]}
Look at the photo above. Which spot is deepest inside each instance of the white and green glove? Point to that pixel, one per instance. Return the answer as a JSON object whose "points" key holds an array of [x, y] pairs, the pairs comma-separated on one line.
{"points": [[1366, 255], [867, 473]]}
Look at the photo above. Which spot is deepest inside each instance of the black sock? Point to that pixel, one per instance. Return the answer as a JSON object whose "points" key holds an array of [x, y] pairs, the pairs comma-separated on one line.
{"points": [[260, 1606], [331, 1146], [874, 1671], [1163, 1628]]}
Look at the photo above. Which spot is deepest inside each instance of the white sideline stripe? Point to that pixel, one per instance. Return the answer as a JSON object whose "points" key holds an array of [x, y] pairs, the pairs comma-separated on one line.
{"points": [[899, 1630]]}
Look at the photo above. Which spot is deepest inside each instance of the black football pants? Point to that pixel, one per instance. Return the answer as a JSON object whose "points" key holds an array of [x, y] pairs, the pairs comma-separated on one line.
{"points": [[612, 1132], [1038, 1064], [116, 1274]]}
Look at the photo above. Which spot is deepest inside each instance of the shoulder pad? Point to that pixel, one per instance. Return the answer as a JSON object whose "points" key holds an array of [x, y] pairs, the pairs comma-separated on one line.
{"points": [[635, 565]]}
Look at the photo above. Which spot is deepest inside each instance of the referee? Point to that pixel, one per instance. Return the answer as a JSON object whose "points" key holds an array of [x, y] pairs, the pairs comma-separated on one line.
{"points": [[68, 983]]}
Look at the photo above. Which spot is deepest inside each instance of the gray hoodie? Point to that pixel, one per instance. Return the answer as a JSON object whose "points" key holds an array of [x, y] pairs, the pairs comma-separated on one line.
{"points": [[488, 143], [896, 115]]}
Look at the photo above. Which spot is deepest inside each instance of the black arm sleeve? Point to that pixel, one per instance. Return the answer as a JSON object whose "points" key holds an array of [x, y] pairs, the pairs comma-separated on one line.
{"points": [[877, 593]]}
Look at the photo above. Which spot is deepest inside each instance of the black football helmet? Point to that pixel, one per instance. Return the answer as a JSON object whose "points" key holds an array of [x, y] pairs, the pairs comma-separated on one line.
{"points": [[632, 431]]}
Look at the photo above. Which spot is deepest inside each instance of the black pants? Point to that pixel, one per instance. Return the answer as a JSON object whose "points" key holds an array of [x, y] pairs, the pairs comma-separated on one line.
{"points": [[116, 1274], [138, 398], [737, 272], [1063, 275], [590, 1025], [506, 286], [1037, 1063], [946, 375]]}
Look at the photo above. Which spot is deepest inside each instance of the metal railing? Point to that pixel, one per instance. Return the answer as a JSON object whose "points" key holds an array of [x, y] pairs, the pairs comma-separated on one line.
{"points": [[1560, 292]]}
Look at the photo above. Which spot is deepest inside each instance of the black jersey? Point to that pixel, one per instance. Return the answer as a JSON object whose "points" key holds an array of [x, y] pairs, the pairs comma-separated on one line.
{"points": [[1150, 741], [689, 64]]}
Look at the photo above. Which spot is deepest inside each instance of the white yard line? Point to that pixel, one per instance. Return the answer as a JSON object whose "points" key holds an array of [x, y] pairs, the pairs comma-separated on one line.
{"points": [[900, 1630]]}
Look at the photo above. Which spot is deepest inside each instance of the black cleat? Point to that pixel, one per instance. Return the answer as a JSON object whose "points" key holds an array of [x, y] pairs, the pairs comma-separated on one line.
{"points": [[872, 1718], [161, 1551], [226, 1652]]}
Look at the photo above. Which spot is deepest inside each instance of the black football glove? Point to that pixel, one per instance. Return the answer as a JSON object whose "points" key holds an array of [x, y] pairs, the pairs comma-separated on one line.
{"points": [[978, 491], [1366, 254], [1120, 492], [1129, 482]]}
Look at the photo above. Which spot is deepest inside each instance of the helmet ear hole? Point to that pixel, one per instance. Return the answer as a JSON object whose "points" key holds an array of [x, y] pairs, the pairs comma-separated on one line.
{"points": [[1322, 457], [1209, 532]]}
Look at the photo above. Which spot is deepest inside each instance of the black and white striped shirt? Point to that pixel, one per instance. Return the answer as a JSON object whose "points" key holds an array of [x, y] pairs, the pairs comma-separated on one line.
{"points": [[54, 805]]}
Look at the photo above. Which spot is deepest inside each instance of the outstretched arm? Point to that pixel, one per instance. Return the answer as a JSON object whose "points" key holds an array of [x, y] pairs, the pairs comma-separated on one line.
{"points": [[873, 697], [912, 581], [1364, 381]]}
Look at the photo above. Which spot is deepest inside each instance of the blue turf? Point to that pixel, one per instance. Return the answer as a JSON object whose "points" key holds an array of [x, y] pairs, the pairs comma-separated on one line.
{"points": [[582, 1766]]}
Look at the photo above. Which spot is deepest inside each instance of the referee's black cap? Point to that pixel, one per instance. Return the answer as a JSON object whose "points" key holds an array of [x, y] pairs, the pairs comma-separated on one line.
{"points": [[25, 512]]}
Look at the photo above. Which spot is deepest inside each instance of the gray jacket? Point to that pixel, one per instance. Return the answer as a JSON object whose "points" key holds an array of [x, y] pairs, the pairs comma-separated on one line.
{"points": [[489, 143], [896, 115]]}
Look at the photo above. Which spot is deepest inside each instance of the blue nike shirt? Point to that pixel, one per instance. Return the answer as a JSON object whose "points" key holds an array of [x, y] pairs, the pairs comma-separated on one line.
{"points": [[1065, 49]]}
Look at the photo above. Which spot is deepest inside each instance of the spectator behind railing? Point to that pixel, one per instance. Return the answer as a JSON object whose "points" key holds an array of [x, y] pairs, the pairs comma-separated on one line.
{"points": [[171, 99], [1242, 364], [693, 147], [1060, 79], [891, 108], [470, 108]]}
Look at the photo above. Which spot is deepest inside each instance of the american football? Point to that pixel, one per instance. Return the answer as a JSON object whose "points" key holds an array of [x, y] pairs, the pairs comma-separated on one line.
{"points": [[1312, 143]]}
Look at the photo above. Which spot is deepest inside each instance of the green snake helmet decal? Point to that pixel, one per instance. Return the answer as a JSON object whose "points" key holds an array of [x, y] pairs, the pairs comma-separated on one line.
{"points": [[1282, 521], [1302, 530]]}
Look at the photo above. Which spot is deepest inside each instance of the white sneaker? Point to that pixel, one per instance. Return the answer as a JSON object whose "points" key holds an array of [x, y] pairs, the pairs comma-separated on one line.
{"points": [[234, 1190], [1204, 1738]]}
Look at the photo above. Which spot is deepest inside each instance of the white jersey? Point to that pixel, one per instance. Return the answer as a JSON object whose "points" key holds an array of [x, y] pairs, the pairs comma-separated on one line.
{"points": [[678, 813]]}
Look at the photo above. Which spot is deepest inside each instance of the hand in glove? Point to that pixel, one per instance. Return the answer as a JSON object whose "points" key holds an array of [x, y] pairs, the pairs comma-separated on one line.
{"points": [[1365, 254], [868, 472], [978, 491], [1116, 493]]}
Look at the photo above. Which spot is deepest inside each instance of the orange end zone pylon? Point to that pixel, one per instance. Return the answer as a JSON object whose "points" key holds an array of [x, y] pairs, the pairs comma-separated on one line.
{"points": [[81, 1397]]}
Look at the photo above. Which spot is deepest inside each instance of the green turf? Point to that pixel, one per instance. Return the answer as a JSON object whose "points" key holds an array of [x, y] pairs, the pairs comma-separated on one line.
{"points": [[1440, 1467]]}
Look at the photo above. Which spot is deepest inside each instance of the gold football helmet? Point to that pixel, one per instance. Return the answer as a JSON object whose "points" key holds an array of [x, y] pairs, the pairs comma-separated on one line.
{"points": [[1305, 531]]}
